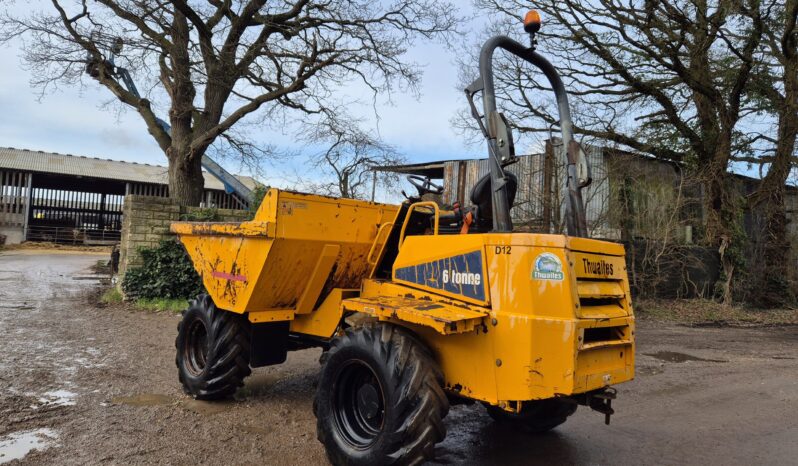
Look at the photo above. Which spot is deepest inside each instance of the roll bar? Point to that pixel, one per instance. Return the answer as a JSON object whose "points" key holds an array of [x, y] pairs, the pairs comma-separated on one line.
{"points": [[502, 222]]}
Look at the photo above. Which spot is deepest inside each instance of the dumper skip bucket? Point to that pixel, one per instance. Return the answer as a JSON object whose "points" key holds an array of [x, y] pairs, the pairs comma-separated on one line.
{"points": [[267, 264]]}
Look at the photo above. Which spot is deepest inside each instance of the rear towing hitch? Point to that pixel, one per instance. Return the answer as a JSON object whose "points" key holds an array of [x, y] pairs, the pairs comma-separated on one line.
{"points": [[601, 401]]}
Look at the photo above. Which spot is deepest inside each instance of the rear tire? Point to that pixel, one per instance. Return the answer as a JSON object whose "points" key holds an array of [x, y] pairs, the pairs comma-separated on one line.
{"points": [[212, 350], [379, 398], [536, 416]]}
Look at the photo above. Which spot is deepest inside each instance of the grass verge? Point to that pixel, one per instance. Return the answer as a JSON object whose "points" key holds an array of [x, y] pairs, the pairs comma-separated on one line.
{"points": [[700, 312], [113, 296], [162, 304]]}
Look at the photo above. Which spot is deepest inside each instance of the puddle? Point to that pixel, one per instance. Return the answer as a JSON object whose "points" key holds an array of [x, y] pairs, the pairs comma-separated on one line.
{"points": [[18, 444], [648, 370], [207, 407], [671, 356], [90, 277], [145, 399], [258, 385], [58, 398]]}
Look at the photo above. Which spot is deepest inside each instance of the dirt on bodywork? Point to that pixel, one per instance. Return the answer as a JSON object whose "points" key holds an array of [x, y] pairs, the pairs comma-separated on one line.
{"points": [[82, 383]]}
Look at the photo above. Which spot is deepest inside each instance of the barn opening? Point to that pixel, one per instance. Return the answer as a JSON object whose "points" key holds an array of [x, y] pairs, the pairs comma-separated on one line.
{"points": [[65, 198]]}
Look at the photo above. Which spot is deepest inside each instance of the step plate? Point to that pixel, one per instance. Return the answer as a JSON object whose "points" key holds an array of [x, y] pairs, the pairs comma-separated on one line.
{"points": [[445, 318]]}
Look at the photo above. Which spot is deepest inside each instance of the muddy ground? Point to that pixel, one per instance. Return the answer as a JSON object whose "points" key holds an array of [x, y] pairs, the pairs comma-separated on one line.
{"points": [[86, 385]]}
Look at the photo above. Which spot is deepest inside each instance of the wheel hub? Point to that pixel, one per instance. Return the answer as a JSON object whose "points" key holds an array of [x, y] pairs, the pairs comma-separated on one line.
{"points": [[196, 348], [358, 404], [368, 401]]}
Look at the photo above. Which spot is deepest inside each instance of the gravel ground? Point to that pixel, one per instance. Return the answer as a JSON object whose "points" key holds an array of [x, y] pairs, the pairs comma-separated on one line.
{"points": [[85, 384]]}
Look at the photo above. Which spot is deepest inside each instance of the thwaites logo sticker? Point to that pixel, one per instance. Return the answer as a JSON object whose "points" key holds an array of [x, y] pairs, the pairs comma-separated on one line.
{"points": [[547, 267], [461, 274]]}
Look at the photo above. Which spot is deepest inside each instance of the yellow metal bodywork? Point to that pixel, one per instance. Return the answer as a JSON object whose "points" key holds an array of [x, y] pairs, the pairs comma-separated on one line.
{"points": [[538, 338], [510, 317], [313, 244], [443, 316]]}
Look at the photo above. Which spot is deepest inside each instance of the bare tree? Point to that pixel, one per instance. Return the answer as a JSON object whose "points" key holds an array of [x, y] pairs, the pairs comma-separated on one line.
{"points": [[350, 156], [652, 202], [214, 64], [665, 77]]}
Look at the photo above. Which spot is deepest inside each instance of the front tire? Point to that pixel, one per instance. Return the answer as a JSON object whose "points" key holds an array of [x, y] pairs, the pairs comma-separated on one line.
{"points": [[536, 416], [212, 350], [379, 398]]}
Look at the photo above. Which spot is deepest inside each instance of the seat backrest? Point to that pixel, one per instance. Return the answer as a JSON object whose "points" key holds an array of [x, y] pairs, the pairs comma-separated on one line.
{"points": [[481, 198]]}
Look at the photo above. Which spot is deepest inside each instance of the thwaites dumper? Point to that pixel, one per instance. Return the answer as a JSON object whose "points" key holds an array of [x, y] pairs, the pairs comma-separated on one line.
{"points": [[416, 308]]}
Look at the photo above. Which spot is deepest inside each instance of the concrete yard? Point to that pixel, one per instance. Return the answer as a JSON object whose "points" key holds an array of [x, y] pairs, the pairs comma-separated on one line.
{"points": [[90, 384]]}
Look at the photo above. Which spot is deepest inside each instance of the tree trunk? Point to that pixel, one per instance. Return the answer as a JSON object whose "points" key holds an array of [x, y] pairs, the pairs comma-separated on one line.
{"points": [[722, 208], [771, 283], [186, 183], [717, 233], [771, 280]]}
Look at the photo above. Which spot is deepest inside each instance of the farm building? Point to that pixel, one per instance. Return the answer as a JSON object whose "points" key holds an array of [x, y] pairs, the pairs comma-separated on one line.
{"points": [[47, 196], [631, 196], [650, 205]]}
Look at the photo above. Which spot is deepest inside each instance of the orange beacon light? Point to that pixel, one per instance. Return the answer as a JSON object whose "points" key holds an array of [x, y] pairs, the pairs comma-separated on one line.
{"points": [[532, 22]]}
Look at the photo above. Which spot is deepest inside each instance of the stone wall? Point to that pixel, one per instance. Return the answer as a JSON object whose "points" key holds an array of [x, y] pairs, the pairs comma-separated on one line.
{"points": [[146, 222], [12, 234]]}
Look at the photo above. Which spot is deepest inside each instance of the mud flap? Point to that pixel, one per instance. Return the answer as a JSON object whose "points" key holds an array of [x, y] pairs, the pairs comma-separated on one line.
{"points": [[269, 343]]}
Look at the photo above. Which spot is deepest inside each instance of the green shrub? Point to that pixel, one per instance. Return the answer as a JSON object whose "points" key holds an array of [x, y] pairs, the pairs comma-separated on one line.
{"points": [[257, 198], [166, 273], [203, 214]]}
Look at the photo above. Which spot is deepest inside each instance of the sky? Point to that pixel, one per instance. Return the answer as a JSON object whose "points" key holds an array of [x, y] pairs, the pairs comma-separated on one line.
{"points": [[70, 120]]}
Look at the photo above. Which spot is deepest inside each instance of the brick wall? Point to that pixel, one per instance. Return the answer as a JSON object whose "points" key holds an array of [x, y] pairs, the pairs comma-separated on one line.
{"points": [[146, 220]]}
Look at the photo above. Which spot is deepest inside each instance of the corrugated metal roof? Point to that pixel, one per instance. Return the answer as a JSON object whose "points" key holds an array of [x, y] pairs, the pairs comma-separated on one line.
{"points": [[78, 165]]}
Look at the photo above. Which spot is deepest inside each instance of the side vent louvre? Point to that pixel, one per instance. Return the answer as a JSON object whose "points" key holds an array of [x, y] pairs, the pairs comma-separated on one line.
{"points": [[587, 302], [598, 337], [593, 335], [601, 298]]}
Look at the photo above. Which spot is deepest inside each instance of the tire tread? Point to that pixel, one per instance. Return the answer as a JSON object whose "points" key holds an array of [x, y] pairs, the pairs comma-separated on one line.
{"points": [[228, 356], [422, 403]]}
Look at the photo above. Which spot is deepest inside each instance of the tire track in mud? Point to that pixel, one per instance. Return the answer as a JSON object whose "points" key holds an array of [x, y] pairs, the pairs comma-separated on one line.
{"points": [[40, 367]]}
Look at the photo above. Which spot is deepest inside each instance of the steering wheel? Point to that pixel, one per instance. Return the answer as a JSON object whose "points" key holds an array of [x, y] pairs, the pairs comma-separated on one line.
{"points": [[424, 185]]}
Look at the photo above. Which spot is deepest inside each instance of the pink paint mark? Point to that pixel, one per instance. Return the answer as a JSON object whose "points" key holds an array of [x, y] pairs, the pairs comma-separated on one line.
{"points": [[228, 276]]}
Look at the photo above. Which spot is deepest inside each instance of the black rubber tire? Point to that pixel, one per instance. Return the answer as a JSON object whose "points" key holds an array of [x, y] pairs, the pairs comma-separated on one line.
{"points": [[410, 403], [536, 416], [212, 367]]}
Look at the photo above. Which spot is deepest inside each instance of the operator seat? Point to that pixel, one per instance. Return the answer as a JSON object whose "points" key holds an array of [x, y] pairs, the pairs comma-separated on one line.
{"points": [[483, 202]]}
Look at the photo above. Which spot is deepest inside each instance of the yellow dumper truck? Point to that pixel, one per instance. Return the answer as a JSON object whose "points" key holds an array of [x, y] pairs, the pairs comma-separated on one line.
{"points": [[416, 308]]}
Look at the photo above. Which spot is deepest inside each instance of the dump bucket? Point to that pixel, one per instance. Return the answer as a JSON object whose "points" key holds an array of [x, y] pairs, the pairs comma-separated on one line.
{"points": [[297, 249]]}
